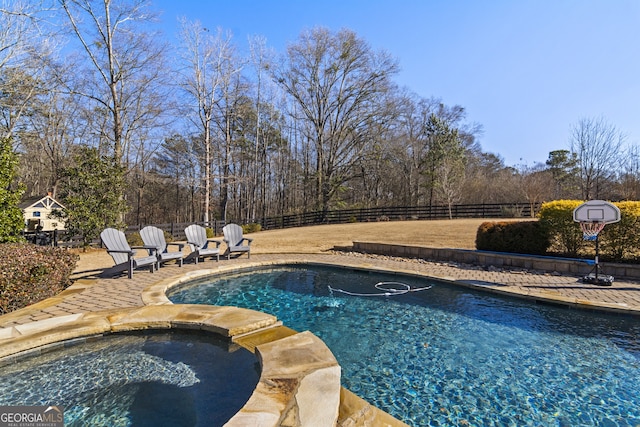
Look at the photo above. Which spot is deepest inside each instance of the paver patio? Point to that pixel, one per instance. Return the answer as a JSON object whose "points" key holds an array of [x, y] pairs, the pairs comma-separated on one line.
{"points": [[95, 293]]}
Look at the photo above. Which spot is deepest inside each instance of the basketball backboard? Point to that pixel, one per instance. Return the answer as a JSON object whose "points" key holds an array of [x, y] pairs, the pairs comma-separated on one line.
{"points": [[597, 211]]}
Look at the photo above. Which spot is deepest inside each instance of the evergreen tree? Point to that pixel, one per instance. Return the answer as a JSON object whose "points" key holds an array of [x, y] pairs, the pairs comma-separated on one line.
{"points": [[444, 162], [564, 167], [11, 219], [92, 194]]}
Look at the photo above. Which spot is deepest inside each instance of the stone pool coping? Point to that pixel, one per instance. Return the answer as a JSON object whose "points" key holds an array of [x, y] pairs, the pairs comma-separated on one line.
{"points": [[299, 383], [558, 290]]}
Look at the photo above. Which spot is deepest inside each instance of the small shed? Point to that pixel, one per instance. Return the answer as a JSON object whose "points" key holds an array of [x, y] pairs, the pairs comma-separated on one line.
{"points": [[36, 212]]}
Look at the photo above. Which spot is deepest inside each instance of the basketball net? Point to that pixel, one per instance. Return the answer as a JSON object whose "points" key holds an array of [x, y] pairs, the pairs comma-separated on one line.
{"points": [[590, 229]]}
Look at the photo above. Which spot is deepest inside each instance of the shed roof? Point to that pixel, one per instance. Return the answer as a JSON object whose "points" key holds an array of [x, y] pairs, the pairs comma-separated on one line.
{"points": [[46, 202]]}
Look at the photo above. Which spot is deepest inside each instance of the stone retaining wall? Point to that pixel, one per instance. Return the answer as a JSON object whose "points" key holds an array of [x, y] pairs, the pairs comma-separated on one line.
{"points": [[500, 259]]}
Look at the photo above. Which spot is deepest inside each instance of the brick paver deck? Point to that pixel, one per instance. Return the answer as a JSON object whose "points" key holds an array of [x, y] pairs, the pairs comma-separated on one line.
{"points": [[101, 293]]}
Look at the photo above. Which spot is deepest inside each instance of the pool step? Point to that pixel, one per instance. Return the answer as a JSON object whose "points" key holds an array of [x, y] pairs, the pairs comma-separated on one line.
{"points": [[251, 340]]}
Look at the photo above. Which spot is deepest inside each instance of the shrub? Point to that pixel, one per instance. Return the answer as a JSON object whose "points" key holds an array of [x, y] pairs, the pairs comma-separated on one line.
{"points": [[566, 236], [251, 228], [134, 239], [92, 194], [525, 237], [11, 219], [620, 240], [30, 273], [210, 233]]}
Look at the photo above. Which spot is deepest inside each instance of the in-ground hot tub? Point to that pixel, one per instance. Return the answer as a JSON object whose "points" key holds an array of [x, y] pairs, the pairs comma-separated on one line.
{"points": [[149, 378], [298, 378]]}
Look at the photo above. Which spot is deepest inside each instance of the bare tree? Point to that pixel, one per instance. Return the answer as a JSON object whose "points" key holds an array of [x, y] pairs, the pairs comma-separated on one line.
{"points": [[124, 75], [47, 142], [207, 57], [412, 142], [261, 60], [335, 81], [178, 164], [628, 187], [488, 180], [536, 185], [232, 108], [22, 42], [598, 147], [451, 177]]}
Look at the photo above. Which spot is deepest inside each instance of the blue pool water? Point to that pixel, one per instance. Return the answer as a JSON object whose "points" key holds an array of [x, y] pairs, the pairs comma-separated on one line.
{"points": [[142, 379], [451, 356]]}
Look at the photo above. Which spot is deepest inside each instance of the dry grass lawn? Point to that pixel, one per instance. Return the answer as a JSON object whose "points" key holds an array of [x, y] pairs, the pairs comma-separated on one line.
{"points": [[456, 233]]}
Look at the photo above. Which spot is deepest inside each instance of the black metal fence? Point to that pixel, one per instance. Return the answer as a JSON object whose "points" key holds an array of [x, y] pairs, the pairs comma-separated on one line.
{"points": [[176, 229], [402, 213], [62, 238], [397, 213]]}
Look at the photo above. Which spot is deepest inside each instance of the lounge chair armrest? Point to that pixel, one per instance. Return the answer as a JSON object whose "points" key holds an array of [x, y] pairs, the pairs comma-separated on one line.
{"points": [[130, 254], [217, 242], [197, 246], [120, 251], [151, 249], [249, 240]]}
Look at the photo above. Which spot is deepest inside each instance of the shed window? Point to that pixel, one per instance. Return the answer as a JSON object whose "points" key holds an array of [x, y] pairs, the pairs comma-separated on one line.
{"points": [[36, 214]]}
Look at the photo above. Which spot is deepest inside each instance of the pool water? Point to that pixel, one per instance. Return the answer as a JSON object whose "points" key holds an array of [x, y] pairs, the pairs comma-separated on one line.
{"points": [[178, 378], [448, 355]]}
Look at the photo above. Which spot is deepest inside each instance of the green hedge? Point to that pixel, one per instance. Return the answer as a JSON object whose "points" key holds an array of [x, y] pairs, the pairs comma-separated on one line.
{"points": [[621, 241], [618, 242], [566, 236], [30, 273], [251, 228], [525, 237]]}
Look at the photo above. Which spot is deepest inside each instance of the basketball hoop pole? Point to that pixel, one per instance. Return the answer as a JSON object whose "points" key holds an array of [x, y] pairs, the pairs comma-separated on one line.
{"points": [[593, 215], [596, 266], [595, 271]]}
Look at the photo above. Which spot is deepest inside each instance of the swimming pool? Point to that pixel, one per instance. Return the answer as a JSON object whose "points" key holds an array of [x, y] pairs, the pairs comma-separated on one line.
{"points": [[168, 378], [450, 355]]}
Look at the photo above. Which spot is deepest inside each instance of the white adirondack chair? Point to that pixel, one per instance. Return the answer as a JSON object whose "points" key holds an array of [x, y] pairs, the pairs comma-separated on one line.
{"points": [[200, 245], [235, 240], [124, 255], [153, 236]]}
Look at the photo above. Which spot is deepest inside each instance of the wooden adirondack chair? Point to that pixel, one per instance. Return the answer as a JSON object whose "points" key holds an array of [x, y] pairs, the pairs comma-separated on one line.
{"points": [[235, 241], [153, 236], [199, 243], [124, 255]]}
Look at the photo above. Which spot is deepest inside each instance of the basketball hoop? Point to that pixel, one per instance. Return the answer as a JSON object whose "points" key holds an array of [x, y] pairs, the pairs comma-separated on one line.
{"points": [[590, 229], [593, 216]]}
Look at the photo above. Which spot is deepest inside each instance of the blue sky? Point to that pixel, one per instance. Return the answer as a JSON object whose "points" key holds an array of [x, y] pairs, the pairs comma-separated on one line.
{"points": [[526, 70]]}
